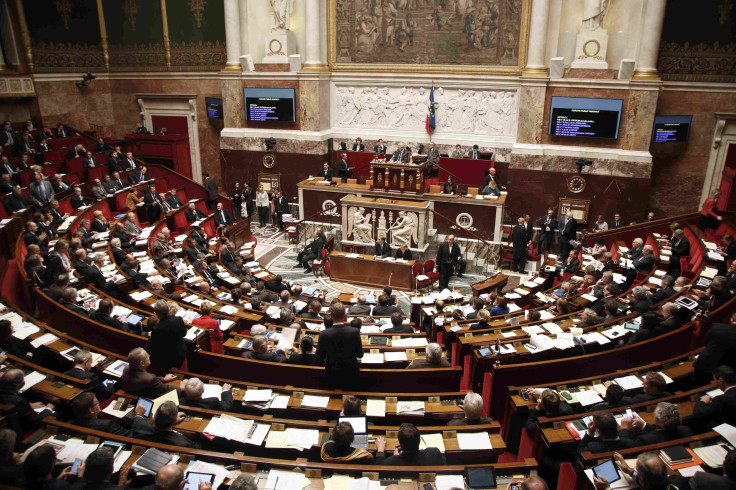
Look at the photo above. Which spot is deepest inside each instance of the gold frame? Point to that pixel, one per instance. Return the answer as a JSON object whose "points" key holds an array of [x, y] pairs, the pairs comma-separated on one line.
{"points": [[526, 13], [565, 203]]}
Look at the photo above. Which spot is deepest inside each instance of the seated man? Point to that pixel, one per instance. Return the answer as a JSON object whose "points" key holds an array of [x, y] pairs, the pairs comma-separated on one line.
{"points": [[473, 407], [162, 431], [263, 352], [137, 381], [602, 435], [408, 452], [645, 262], [98, 470], [307, 357], [549, 404], [82, 370], [193, 389], [650, 472], [104, 316], [382, 249], [360, 308], [383, 308], [667, 426], [11, 382], [339, 448], [640, 302], [397, 324], [703, 480], [87, 410], [654, 387], [715, 410], [193, 213], [326, 172], [613, 399], [311, 252], [433, 359]]}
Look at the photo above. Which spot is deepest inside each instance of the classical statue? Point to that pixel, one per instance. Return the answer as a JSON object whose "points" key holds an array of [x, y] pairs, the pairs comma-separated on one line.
{"points": [[281, 13], [404, 230], [361, 227], [593, 13]]}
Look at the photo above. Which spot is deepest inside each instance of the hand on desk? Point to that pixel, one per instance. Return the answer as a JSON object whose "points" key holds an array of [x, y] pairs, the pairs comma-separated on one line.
{"points": [[169, 377], [380, 444]]}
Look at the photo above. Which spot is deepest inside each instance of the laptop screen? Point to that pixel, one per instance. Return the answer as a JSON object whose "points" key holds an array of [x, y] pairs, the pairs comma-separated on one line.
{"points": [[359, 423]]}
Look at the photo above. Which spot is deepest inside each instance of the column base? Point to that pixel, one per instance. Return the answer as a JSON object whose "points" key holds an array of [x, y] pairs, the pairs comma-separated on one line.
{"points": [[647, 75], [535, 72], [233, 67], [315, 67]]}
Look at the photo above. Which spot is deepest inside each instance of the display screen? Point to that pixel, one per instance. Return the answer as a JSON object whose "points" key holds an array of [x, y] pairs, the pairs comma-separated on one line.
{"points": [[269, 104], [214, 107], [584, 117], [669, 129]]}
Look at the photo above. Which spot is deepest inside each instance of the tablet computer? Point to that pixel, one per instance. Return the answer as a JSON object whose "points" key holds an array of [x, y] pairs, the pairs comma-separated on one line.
{"points": [[607, 470], [484, 477], [193, 479], [147, 404]]}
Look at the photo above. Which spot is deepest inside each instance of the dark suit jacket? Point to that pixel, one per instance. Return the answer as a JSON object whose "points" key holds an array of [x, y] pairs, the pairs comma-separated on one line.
{"points": [[211, 187], [110, 426], [270, 356], [670, 324], [680, 248], [27, 417], [357, 147], [223, 405], [650, 435], [149, 432], [447, 258], [425, 457], [327, 174], [110, 321], [166, 346], [662, 294], [15, 203], [721, 409], [709, 481], [193, 216], [382, 251], [339, 348], [379, 149], [220, 221], [384, 310], [643, 305], [143, 383], [359, 310], [401, 155], [114, 164], [597, 445], [304, 360], [569, 232], [94, 276], [644, 263], [720, 338], [400, 329], [281, 205]]}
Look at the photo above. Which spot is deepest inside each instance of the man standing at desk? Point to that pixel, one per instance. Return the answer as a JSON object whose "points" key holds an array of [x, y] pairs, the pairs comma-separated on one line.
{"points": [[547, 225], [491, 177], [433, 159], [448, 260], [340, 348], [342, 167], [568, 231], [402, 154], [382, 248], [280, 207], [518, 240]]}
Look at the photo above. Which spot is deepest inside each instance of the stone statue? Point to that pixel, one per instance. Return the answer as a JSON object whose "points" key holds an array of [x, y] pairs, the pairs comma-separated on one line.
{"points": [[281, 13], [361, 227], [404, 230], [593, 13]]}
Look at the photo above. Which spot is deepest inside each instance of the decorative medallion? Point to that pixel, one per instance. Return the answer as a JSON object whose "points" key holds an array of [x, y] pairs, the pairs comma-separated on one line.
{"points": [[197, 8], [396, 178], [64, 7], [591, 48], [411, 180], [274, 48], [576, 184], [269, 160], [131, 10], [330, 208], [464, 220]]}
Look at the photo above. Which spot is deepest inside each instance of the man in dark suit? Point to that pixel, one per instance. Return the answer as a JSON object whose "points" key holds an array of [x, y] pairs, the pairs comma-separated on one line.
{"points": [[153, 204], [408, 452], [89, 161], [617, 222], [602, 435], [719, 409], [568, 231], [667, 426], [11, 382], [7, 135], [41, 192], [86, 407], [547, 225], [491, 177], [129, 162], [76, 152], [173, 200], [360, 308], [380, 147], [667, 290], [261, 351], [549, 404], [78, 200], [672, 320], [680, 247], [193, 213], [339, 348], [383, 308], [137, 381], [104, 315], [448, 261], [101, 146], [709, 481], [222, 217], [382, 249], [15, 201], [94, 277], [118, 254], [162, 430], [211, 187], [358, 145], [518, 240], [114, 162], [137, 176], [167, 346], [193, 388], [397, 325], [474, 154], [343, 171], [83, 370], [401, 154], [7, 167], [326, 172], [227, 254], [719, 341], [646, 261], [311, 252], [280, 207], [6, 183]]}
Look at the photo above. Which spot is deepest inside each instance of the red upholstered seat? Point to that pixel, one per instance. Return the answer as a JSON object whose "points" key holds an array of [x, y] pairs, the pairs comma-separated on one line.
{"points": [[318, 265], [430, 272], [418, 278]]}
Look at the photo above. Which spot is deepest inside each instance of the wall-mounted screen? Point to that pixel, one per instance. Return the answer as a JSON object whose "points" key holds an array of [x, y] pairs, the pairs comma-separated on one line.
{"points": [[670, 129], [269, 104], [214, 107], [585, 117]]}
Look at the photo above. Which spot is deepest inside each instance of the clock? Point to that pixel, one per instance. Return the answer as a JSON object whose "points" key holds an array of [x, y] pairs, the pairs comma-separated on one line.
{"points": [[269, 160], [576, 184]]}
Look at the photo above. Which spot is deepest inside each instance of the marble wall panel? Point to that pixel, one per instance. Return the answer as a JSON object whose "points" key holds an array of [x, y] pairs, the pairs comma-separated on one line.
{"points": [[639, 118], [531, 114], [232, 103]]}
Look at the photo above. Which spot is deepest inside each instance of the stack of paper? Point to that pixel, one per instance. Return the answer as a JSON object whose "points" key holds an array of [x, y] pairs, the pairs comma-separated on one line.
{"points": [[395, 356], [588, 397], [302, 438], [375, 407], [468, 441], [257, 395], [31, 380], [285, 480], [630, 382], [414, 407], [713, 455], [372, 358], [44, 339], [316, 401]]}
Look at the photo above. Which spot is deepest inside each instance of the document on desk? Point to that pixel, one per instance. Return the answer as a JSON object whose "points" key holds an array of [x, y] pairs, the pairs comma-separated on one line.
{"points": [[280, 402], [316, 401], [728, 432], [449, 482], [410, 342], [75, 451], [372, 358], [395, 356], [432, 440], [171, 396], [532, 329], [285, 480], [44, 339], [31, 379], [375, 407], [230, 428], [552, 328], [588, 397], [414, 406], [630, 382], [469, 441], [257, 396], [302, 438], [212, 391]]}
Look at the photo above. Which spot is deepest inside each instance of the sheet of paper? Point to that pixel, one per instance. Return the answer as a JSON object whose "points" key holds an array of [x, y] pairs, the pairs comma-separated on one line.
{"points": [[630, 382], [303, 438], [713, 455], [32, 379], [280, 402], [375, 407], [285, 480], [287, 338], [467, 441], [316, 401], [449, 482], [212, 391], [121, 459], [395, 356], [203, 467], [44, 339], [588, 397], [728, 432], [157, 402], [410, 406], [372, 358], [257, 395], [432, 440]]}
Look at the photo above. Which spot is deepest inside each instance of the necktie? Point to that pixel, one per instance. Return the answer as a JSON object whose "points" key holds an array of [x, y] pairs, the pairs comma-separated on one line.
{"points": [[222, 214], [43, 191]]}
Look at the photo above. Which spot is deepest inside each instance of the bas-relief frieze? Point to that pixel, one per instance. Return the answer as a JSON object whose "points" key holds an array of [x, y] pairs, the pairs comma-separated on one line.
{"points": [[458, 111]]}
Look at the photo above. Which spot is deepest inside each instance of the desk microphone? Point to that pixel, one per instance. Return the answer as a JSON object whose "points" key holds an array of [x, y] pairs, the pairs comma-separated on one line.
{"points": [[389, 277]]}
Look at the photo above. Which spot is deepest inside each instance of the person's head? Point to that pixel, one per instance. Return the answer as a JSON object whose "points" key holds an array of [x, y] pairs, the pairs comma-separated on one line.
{"points": [[396, 319], [473, 406], [139, 359], [650, 215], [562, 306], [161, 308], [351, 406], [535, 315], [639, 292], [99, 466], [383, 300], [433, 353], [534, 483], [343, 435], [669, 310], [647, 250], [83, 360], [170, 477], [244, 482], [39, 464], [450, 239], [654, 383], [550, 400], [724, 377], [205, 308], [219, 206], [605, 425], [484, 316], [614, 394], [666, 416], [306, 345], [589, 315], [285, 315], [260, 343], [193, 389], [356, 322], [409, 437], [69, 295], [166, 414]]}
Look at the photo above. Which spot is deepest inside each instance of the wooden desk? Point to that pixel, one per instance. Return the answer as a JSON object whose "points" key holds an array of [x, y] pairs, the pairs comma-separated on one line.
{"points": [[496, 282], [403, 177], [366, 270]]}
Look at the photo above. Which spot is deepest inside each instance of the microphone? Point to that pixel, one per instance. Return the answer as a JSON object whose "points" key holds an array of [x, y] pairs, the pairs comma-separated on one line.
{"points": [[389, 277]]}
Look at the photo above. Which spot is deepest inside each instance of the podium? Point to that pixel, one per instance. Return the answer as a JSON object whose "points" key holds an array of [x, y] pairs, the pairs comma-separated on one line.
{"points": [[169, 150], [397, 177]]}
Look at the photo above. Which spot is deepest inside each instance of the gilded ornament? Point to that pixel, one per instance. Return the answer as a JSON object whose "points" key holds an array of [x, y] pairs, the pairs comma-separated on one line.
{"points": [[130, 7], [64, 8], [197, 8]]}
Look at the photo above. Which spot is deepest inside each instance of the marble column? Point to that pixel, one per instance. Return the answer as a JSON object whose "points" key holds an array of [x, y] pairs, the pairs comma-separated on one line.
{"points": [[651, 33], [535, 64], [232, 35], [313, 35], [244, 42]]}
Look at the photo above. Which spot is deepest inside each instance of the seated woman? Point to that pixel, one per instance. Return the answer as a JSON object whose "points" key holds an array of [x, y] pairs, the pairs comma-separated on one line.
{"points": [[501, 307], [339, 449], [586, 283], [450, 187], [403, 253], [561, 307], [307, 357], [600, 224], [599, 248], [491, 189], [13, 345], [212, 326]]}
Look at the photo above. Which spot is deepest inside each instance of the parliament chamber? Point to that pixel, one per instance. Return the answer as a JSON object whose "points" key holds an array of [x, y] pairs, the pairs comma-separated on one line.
{"points": [[346, 244]]}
